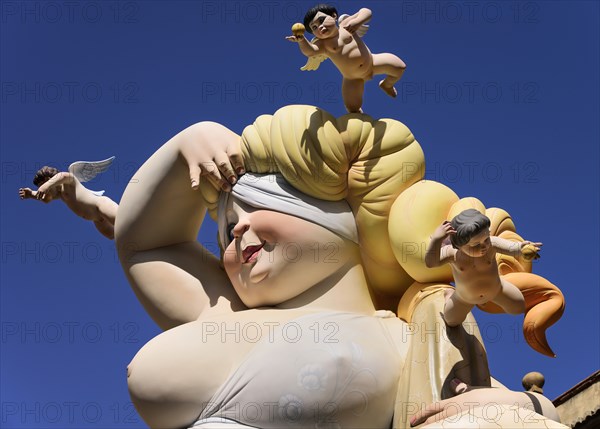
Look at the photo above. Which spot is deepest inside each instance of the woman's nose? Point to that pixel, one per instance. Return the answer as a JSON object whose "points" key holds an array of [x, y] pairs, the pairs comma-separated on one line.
{"points": [[240, 228]]}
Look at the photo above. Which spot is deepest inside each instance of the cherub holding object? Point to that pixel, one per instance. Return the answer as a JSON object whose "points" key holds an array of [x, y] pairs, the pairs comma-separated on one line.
{"points": [[90, 205], [345, 47], [472, 256]]}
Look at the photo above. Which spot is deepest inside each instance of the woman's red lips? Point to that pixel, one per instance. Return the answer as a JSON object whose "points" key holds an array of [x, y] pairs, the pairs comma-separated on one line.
{"points": [[251, 250]]}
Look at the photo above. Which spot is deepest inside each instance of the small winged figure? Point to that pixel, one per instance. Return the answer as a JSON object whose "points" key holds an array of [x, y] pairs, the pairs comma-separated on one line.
{"points": [[90, 205], [345, 48]]}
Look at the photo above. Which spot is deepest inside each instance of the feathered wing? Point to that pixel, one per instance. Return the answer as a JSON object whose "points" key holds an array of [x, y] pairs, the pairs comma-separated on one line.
{"points": [[313, 62], [85, 171], [362, 30]]}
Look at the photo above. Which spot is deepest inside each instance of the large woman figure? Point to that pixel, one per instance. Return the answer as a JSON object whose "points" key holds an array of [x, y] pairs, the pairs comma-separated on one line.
{"points": [[288, 334]]}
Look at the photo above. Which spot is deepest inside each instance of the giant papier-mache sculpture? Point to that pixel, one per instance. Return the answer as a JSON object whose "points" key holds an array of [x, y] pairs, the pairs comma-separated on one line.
{"points": [[323, 240]]}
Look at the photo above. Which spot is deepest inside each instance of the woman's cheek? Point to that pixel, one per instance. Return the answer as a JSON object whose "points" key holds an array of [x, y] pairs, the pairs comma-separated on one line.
{"points": [[230, 262]]}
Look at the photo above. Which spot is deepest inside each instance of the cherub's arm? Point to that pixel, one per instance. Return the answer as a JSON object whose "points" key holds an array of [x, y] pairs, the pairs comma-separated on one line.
{"points": [[59, 179], [437, 255], [513, 248], [307, 48], [353, 23]]}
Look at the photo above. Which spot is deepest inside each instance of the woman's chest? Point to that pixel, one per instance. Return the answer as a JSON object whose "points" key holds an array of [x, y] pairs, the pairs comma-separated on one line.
{"points": [[313, 371]]}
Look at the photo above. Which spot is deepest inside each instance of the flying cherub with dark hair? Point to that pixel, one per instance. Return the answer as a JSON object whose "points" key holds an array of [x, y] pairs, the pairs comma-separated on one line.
{"points": [[66, 186], [472, 256], [345, 48]]}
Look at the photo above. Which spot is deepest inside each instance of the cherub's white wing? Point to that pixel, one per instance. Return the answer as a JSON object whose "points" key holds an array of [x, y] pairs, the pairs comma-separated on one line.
{"points": [[362, 30], [313, 62], [85, 171]]}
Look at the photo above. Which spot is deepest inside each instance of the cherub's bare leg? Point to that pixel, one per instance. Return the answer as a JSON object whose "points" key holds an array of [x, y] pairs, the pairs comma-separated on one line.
{"points": [[510, 298], [455, 310], [105, 228], [393, 67], [352, 93]]}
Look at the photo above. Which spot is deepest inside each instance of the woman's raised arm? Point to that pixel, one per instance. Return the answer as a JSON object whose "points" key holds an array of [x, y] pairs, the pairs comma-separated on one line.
{"points": [[159, 216]]}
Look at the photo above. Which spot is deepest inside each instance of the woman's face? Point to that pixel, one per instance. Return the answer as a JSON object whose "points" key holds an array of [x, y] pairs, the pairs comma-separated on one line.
{"points": [[273, 257]]}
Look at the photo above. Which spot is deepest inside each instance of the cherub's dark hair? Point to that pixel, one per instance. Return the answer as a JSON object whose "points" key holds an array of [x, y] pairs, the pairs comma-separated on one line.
{"points": [[468, 224], [310, 15], [43, 175]]}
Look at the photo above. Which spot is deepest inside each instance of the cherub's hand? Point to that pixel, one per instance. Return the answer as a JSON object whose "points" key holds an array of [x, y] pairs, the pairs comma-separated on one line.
{"points": [[443, 231], [25, 193], [351, 25], [216, 156], [294, 39], [42, 193], [530, 250], [42, 196]]}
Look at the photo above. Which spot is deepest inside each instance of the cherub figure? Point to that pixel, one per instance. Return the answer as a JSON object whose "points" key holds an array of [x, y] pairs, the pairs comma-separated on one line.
{"points": [[90, 205], [472, 256], [346, 49]]}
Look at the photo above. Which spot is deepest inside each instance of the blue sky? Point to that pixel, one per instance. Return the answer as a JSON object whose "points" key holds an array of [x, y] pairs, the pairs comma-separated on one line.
{"points": [[502, 96]]}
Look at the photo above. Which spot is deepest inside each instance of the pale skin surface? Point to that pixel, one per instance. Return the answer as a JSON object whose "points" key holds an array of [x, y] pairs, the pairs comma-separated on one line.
{"points": [[475, 272], [194, 292], [182, 287], [64, 186], [351, 56], [472, 397]]}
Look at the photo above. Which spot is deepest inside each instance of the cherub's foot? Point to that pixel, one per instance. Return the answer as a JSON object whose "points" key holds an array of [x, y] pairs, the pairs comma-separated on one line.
{"points": [[459, 386], [389, 90]]}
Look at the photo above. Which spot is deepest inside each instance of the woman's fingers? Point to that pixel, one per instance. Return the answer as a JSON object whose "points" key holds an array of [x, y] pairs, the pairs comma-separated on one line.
{"points": [[194, 176], [237, 162], [193, 166], [210, 172], [225, 167], [220, 170], [204, 170]]}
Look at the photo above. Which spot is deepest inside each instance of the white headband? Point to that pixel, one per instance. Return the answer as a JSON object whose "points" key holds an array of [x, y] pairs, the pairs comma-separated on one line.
{"points": [[273, 192]]}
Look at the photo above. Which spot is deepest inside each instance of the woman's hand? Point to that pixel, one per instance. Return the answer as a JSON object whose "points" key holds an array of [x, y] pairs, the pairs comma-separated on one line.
{"points": [[475, 397], [217, 159]]}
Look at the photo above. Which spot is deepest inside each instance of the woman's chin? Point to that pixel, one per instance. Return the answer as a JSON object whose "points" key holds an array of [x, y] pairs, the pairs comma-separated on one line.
{"points": [[257, 275]]}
